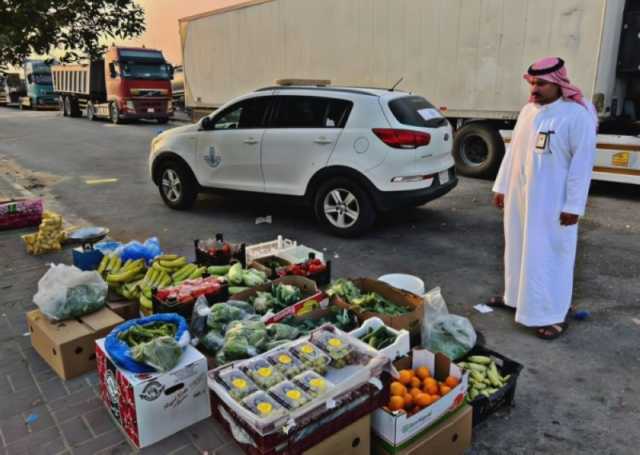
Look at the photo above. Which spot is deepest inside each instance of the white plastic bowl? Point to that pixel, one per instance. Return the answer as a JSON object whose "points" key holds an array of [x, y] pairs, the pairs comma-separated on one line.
{"points": [[403, 281]]}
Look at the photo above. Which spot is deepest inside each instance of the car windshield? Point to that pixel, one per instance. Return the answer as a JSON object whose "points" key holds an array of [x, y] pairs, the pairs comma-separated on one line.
{"points": [[42, 78], [157, 71]]}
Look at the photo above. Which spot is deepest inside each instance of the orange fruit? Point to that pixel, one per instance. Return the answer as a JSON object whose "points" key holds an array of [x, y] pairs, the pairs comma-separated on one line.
{"points": [[396, 403], [423, 400], [408, 401], [405, 376], [415, 392], [398, 389], [452, 381], [422, 372], [444, 389], [415, 382], [435, 397], [430, 387]]}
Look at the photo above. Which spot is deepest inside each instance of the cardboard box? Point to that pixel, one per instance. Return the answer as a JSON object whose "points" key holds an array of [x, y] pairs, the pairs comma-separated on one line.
{"points": [[450, 436], [410, 321], [397, 429], [309, 292], [127, 309], [354, 440], [68, 346], [152, 406], [261, 264]]}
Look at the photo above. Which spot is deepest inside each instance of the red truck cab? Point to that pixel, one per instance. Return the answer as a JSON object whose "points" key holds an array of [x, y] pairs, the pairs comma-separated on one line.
{"points": [[138, 84]]}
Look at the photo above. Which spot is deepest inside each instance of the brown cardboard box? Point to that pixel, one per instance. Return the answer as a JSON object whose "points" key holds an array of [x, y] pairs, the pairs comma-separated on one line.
{"points": [[410, 321], [451, 436], [354, 440], [69, 346], [127, 309], [307, 286]]}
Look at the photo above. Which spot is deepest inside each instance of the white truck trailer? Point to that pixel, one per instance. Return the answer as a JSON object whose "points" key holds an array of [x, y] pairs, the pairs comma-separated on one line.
{"points": [[466, 56]]}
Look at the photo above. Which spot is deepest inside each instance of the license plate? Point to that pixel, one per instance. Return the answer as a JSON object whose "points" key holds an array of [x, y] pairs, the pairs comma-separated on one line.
{"points": [[444, 177], [151, 109]]}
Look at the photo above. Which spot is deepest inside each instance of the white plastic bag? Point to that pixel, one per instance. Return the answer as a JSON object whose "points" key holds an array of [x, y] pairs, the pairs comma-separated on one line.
{"points": [[66, 292], [450, 334]]}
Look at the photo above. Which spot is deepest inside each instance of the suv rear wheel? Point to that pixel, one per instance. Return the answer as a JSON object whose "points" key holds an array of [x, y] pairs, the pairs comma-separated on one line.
{"points": [[177, 185], [344, 207]]}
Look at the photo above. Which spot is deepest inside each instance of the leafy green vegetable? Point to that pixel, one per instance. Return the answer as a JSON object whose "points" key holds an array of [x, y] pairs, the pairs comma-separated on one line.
{"points": [[286, 294], [263, 302], [379, 338], [253, 277], [162, 353], [235, 274], [283, 332], [344, 288], [223, 312]]}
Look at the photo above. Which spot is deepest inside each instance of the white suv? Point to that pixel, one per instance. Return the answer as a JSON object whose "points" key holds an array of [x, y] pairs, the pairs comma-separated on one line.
{"points": [[348, 152]]}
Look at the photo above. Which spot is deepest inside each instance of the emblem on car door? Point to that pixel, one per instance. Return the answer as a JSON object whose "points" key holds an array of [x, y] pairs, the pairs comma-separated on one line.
{"points": [[211, 159]]}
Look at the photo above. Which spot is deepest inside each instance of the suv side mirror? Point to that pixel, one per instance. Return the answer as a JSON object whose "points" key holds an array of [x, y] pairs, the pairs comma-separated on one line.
{"points": [[206, 123], [112, 70], [171, 70]]}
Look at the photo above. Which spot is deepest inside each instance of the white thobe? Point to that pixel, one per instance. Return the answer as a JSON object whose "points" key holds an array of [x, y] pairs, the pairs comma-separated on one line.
{"points": [[540, 178]]}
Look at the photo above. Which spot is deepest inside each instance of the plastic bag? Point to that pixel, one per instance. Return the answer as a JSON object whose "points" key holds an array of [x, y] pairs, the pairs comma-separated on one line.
{"points": [[136, 250], [66, 292], [449, 334], [122, 354]]}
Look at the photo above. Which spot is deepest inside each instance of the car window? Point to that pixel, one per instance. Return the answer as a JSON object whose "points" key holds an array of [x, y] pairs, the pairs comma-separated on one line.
{"points": [[416, 111], [245, 114], [311, 112]]}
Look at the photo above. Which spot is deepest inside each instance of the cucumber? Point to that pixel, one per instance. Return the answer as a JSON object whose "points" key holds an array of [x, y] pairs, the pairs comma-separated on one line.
{"points": [[218, 270], [237, 289]]}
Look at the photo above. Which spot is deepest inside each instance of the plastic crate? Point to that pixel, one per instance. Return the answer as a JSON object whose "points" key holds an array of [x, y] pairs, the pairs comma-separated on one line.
{"points": [[399, 348], [483, 406], [271, 248], [205, 259], [186, 309], [322, 278], [349, 408]]}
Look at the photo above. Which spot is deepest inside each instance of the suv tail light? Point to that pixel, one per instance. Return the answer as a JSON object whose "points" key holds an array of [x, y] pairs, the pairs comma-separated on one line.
{"points": [[402, 139]]}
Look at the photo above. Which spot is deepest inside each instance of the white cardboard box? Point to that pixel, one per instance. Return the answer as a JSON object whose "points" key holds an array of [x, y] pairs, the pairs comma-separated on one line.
{"points": [[152, 406], [396, 428]]}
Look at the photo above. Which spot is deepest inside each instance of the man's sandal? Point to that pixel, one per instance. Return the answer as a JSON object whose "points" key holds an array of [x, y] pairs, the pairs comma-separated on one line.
{"points": [[553, 331], [497, 301]]}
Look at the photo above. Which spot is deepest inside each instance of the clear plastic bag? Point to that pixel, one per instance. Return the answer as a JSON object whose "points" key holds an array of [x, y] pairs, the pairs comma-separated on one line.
{"points": [[66, 292], [449, 334]]}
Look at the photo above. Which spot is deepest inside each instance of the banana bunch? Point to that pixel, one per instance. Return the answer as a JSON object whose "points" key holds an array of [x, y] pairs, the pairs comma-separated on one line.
{"points": [[484, 377], [110, 263], [49, 237]]}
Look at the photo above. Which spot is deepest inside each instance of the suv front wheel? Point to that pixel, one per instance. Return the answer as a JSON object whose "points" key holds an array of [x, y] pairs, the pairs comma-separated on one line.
{"points": [[344, 207], [177, 185]]}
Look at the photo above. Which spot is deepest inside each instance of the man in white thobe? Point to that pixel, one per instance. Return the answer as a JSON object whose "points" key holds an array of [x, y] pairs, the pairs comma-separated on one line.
{"points": [[542, 185]]}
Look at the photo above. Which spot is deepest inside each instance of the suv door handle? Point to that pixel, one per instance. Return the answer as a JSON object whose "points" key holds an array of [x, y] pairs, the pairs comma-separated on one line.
{"points": [[323, 141], [250, 141]]}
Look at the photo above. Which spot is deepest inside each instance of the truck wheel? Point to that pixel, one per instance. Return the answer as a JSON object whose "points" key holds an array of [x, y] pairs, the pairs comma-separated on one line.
{"points": [[178, 186], [74, 108], [91, 112], [62, 106], [115, 114], [67, 106], [344, 208], [478, 149]]}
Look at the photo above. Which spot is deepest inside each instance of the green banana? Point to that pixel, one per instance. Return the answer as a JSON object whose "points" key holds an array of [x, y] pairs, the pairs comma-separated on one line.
{"points": [[173, 264], [197, 273], [184, 272], [166, 257], [161, 268], [480, 359], [145, 302], [103, 264], [118, 265], [113, 259], [125, 276]]}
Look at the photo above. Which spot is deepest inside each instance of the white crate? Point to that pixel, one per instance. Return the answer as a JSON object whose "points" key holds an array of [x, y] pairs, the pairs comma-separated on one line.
{"points": [[399, 348], [272, 248]]}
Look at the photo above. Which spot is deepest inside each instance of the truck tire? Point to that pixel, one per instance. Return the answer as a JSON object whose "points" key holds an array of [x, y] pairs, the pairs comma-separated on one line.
{"points": [[91, 112], [114, 114], [178, 187], [344, 208], [478, 149], [67, 106], [62, 106], [74, 108]]}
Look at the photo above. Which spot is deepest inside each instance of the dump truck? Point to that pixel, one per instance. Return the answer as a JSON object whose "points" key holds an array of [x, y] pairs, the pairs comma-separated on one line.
{"points": [[465, 56], [13, 89], [127, 84], [38, 87]]}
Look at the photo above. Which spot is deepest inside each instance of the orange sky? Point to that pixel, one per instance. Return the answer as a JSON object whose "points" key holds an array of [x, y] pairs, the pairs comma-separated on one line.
{"points": [[162, 23]]}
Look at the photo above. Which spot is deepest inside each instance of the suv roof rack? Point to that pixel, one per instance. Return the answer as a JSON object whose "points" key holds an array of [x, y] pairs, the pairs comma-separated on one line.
{"points": [[316, 82]]}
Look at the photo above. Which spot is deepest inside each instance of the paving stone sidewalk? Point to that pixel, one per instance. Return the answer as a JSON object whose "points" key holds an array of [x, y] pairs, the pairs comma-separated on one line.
{"points": [[42, 414]]}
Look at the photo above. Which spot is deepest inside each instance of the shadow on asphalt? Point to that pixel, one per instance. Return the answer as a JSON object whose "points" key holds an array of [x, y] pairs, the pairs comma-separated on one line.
{"points": [[626, 191]]}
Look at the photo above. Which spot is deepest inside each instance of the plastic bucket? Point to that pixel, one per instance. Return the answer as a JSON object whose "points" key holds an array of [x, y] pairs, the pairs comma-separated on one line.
{"points": [[405, 282]]}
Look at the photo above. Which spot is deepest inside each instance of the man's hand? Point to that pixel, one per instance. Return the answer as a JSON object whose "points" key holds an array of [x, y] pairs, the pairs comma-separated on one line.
{"points": [[568, 219], [498, 200]]}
